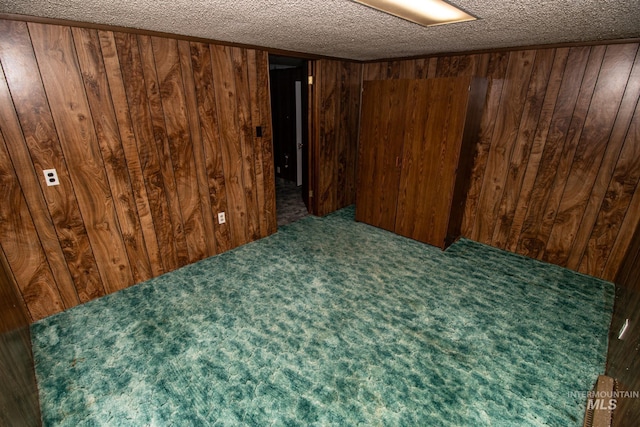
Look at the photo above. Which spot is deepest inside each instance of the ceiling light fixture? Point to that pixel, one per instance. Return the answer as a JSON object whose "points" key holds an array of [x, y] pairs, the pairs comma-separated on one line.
{"points": [[423, 12]]}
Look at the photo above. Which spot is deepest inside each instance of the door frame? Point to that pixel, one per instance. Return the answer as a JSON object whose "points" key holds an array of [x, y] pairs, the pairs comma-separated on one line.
{"points": [[313, 112]]}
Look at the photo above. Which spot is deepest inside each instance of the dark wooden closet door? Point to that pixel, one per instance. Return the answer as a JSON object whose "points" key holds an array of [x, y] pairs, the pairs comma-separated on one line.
{"points": [[433, 134], [380, 149]]}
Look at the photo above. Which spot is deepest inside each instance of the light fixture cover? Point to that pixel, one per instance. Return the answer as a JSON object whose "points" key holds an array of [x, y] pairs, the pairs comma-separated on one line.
{"points": [[423, 12]]}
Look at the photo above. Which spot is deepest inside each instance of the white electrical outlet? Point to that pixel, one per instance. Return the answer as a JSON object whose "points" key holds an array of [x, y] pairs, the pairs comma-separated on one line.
{"points": [[51, 177], [221, 218]]}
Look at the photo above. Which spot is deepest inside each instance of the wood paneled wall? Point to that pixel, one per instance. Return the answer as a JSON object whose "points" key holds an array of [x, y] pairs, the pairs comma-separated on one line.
{"points": [[151, 138], [19, 405], [558, 165], [623, 358], [335, 112]]}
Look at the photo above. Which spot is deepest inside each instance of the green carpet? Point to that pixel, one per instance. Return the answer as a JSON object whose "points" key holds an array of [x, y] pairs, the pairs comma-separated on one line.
{"points": [[332, 322]]}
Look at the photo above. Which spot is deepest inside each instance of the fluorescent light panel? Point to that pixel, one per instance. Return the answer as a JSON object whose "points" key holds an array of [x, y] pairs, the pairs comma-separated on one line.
{"points": [[423, 12]]}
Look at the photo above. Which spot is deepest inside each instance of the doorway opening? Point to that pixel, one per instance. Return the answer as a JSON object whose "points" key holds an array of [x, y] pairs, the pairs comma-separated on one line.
{"points": [[289, 113]]}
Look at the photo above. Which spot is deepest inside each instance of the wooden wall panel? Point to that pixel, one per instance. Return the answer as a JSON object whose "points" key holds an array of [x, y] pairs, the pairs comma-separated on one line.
{"points": [[556, 174], [336, 108], [623, 357], [268, 210], [133, 161], [96, 86], [240, 73], [23, 248], [231, 141], [27, 90], [19, 405], [522, 146], [258, 75], [53, 46], [516, 219], [329, 128], [198, 149], [161, 141], [614, 154], [529, 242], [207, 112], [496, 69], [591, 150], [150, 137], [176, 122], [508, 118]]}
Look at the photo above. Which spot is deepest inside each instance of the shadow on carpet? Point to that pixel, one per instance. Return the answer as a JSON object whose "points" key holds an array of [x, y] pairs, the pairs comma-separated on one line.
{"points": [[332, 322]]}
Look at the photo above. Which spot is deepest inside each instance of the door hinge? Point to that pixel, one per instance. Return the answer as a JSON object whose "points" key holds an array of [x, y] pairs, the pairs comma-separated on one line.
{"points": [[310, 193], [310, 80]]}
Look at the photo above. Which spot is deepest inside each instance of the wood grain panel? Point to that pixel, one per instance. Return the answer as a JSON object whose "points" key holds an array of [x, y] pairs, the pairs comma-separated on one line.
{"points": [[426, 166], [243, 96], [256, 121], [537, 149], [207, 111], [257, 63], [198, 149], [351, 113], [29, 182], [369, 149], [623, 358], [625, 175], [27, 91], [264, 101], [574, 133], [337, 100], [132, 127], [555, 175], [230, 137], [375, 71], [178, 137], [612, 155], [130, 149], [496, 70], [138, 105], [23, 248], [380, 151], [19, 405], [13, 312], [108, 135], [341, 152], [538, 85], [55, 53], [508, 117], [530, 241], [162, 145], [593, 142], [329, 132]]}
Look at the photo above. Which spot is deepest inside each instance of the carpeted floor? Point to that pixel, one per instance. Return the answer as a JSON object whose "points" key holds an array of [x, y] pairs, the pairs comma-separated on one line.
{"points": [[289, 204], [332, 322]]}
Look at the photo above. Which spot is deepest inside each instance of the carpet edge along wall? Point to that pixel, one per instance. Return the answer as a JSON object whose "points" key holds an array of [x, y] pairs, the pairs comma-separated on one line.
{"points": [[332, 322]]}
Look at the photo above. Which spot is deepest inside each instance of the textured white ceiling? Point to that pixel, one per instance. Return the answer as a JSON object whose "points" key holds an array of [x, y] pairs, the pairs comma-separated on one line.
{"points": [[343, 28]]}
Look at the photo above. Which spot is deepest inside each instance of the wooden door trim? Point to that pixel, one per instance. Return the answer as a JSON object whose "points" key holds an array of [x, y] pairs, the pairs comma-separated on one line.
{"points": [[313, 112]]}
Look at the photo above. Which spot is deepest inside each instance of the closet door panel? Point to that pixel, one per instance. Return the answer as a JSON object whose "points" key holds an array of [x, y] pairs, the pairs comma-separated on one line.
{"points": [[380, 151], [430, 158], [415, 162]]}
